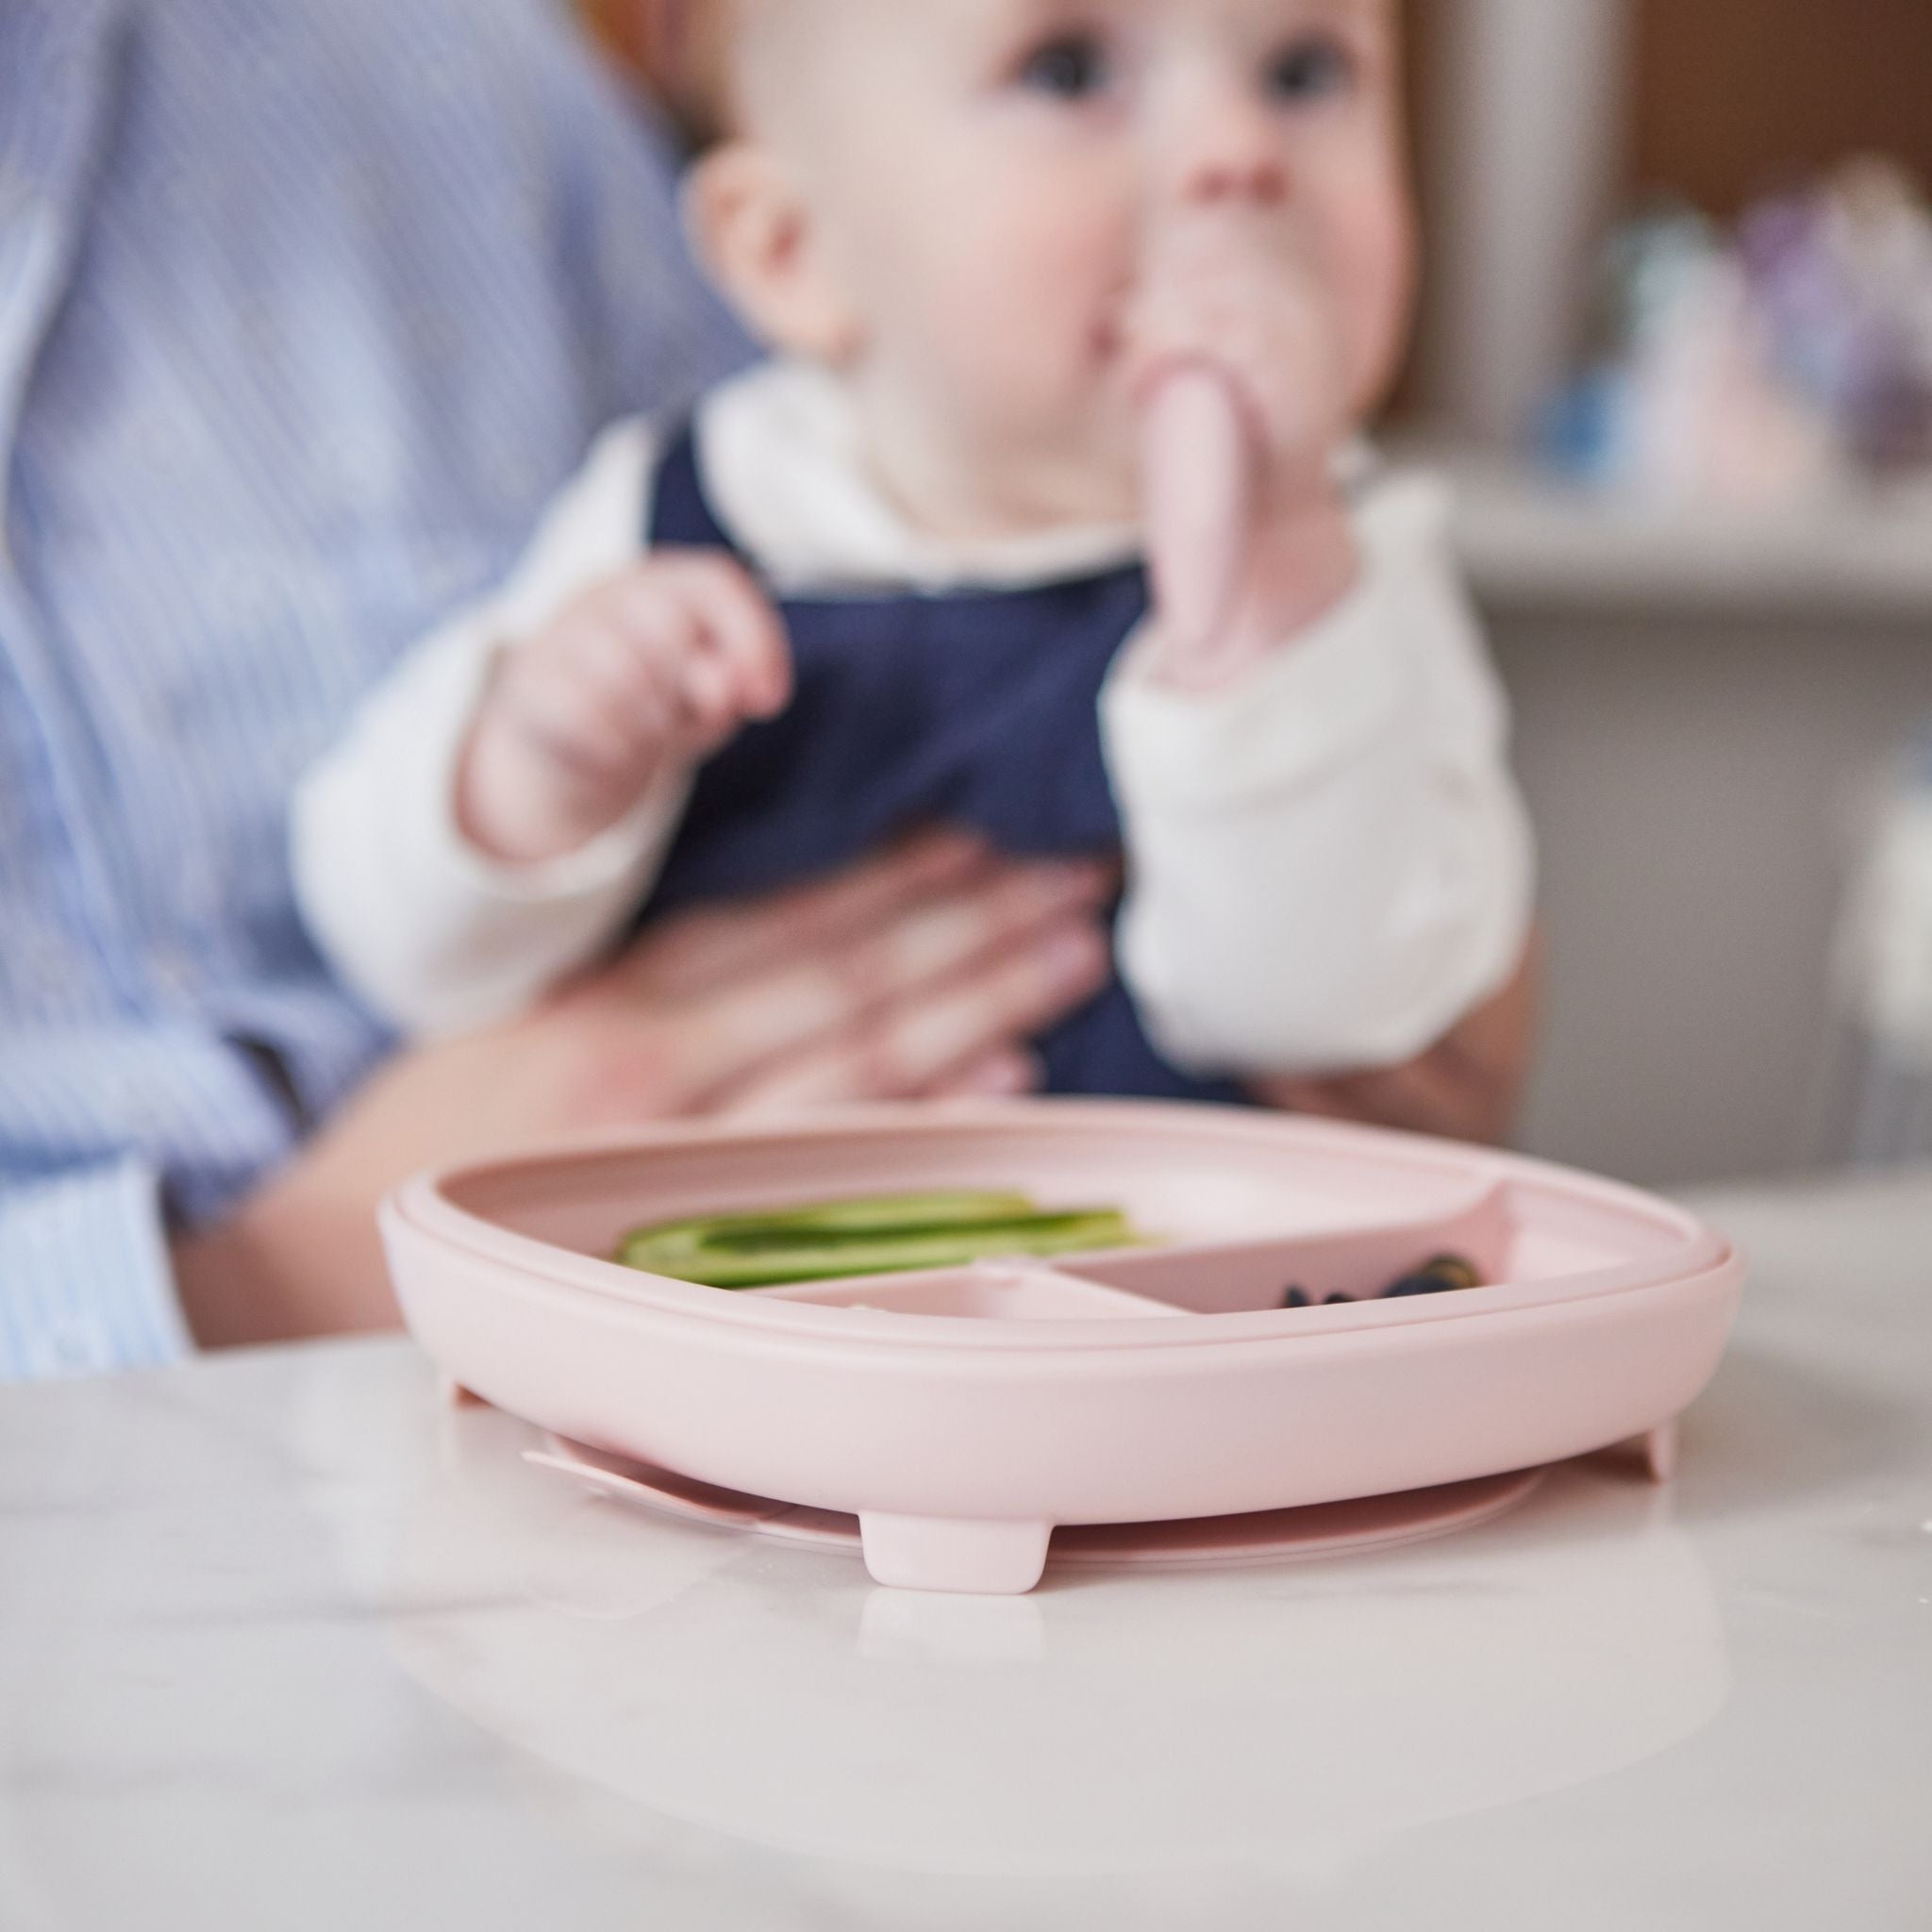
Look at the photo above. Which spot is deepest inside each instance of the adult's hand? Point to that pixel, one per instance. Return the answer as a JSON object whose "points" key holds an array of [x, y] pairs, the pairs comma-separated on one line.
{"points": [[918, 974], [1469, 1088]]}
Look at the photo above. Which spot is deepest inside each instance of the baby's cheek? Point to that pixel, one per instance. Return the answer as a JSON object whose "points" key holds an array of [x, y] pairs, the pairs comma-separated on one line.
{"points": [[1038, 305], [1373, 267]]}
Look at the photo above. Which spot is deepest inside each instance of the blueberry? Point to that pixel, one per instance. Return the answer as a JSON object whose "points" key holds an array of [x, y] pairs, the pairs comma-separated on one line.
{"points": [[1445, 1275]]}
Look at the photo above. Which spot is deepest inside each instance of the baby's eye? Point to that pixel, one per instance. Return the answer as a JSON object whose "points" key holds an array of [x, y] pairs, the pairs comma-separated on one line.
{"points": [[1312, 69], [1072, 67]]}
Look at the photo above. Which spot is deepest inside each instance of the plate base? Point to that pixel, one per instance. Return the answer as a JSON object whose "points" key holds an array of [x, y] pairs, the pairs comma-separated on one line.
{"points": [[1320, 1529]]}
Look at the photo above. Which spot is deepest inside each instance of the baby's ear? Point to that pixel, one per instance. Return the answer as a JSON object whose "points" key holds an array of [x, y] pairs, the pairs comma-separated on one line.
{"points": [[751, 228]]}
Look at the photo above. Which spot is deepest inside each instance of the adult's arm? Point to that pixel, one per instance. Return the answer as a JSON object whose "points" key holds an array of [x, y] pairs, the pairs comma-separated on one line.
{"points": [[1469, 1087], [84, 1278], [262, 451], [916, 975]]}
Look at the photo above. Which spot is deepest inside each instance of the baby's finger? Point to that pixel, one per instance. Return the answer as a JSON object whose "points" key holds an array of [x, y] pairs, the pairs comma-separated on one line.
{"points": [[706, 698], [740, 627]]}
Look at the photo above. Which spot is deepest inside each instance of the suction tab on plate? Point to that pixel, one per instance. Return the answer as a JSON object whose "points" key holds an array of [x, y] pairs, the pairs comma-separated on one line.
{"points": [[968, 1559]]}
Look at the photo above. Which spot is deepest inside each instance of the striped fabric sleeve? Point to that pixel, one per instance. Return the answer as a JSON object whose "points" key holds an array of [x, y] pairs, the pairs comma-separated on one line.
{"points": [[85, 1282]]}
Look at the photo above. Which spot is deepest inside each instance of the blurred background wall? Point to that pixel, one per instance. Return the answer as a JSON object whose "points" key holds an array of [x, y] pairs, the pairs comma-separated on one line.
{"points": [[1708, 699], [1728, 93]]}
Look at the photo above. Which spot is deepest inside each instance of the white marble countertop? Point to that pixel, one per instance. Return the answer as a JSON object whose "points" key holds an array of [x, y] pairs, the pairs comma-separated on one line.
{"points": [[283, 1644]]}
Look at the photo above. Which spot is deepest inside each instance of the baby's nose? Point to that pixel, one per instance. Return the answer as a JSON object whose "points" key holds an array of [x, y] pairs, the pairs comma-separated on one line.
{"points": [[1258, 178], [1228, 152]]}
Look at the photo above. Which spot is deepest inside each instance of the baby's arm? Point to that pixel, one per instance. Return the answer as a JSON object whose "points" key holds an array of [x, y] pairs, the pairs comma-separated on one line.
{"points": [[1329, 863], [500, 804]]}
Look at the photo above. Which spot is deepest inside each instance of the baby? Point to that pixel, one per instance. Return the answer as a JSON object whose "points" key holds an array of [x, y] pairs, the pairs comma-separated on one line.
{"points": [[895, 576]]}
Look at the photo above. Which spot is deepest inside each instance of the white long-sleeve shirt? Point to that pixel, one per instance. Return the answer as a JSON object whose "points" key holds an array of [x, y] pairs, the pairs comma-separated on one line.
{"points": [[1328, 861]]}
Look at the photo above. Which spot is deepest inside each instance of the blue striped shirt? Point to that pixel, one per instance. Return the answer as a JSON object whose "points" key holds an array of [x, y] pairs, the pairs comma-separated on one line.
{"points": [[307, 307]]}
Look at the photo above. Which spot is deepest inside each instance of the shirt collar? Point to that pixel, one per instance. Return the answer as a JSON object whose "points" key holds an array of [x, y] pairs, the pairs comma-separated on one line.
{"points": [[779, 451]]}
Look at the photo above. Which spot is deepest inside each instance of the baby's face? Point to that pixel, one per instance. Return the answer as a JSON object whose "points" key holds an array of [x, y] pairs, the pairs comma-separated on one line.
{"points": [[984, 180]]}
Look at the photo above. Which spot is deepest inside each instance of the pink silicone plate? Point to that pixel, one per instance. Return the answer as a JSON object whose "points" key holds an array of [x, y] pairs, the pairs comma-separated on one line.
{"points": [[961, 1416]]}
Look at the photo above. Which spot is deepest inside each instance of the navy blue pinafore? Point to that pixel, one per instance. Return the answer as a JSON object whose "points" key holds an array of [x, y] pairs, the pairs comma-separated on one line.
{"points": [[975, 709]]}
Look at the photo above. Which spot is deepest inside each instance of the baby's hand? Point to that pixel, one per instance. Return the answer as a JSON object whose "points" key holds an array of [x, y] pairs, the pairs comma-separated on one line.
{"points": [[655, 668], [1230, 291]]}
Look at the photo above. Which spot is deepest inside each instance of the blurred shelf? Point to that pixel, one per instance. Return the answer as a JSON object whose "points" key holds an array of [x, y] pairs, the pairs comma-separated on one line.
{"points": [[1530, 539]]}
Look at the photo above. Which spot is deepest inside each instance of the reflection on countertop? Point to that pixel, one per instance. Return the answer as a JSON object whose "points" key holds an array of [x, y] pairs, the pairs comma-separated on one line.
{"points": [[1110, 1722]]}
